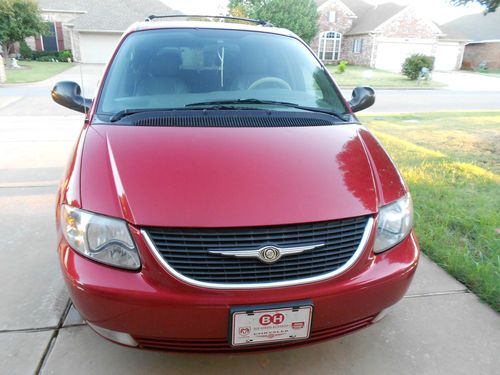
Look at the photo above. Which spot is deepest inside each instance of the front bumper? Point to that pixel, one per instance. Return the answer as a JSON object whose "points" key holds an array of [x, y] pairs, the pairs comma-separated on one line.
{"points": [[162, 312]]}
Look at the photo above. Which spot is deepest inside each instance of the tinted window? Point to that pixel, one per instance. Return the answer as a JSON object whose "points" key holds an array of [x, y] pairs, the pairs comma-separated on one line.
{"points": [[171, 68]]}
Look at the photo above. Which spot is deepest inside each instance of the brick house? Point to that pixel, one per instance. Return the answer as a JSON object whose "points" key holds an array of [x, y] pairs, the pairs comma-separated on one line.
{"points": [[90, 28], [381, 36], [483, 31]]}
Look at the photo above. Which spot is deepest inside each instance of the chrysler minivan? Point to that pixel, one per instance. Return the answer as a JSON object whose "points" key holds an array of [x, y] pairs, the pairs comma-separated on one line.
{"points": [[224, 197]]}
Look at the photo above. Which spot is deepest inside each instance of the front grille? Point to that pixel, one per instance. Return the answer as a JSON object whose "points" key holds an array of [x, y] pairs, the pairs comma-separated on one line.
{"points": [[186, 250]]}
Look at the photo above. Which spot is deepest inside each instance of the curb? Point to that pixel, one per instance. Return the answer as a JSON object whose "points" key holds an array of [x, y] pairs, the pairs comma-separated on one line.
{"points": [[398, 88]]}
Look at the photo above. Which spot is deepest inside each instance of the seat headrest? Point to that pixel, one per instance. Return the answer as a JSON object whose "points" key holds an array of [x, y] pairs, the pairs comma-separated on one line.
{"points": [[254, 63], [165, 64]]}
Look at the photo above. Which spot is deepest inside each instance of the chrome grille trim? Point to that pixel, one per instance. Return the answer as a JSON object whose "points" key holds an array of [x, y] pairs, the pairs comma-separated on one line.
{"points": [[362, 244]]}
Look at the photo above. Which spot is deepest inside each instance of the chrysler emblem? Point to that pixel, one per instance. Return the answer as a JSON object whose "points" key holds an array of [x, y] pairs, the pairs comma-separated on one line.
{"points": [[267, 254]]}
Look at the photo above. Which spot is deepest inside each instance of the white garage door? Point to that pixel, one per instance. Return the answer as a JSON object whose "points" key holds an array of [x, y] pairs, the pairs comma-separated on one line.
{"points": [[97, 47], [391, 55], [446, 56]]}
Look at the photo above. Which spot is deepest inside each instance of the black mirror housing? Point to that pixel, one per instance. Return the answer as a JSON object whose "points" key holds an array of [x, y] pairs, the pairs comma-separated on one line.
{"points": [[68, 94], [362, 98]]}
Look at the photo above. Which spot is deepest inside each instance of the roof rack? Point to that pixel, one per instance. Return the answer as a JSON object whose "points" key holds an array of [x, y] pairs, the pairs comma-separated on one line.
{"points": [[251, 20]]}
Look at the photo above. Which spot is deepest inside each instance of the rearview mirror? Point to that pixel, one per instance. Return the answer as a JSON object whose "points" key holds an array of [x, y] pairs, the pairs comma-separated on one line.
{"points": [[68, 94], [362, 98]]}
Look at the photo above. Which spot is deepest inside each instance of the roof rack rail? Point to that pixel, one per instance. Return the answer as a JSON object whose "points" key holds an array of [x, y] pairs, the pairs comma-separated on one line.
{"points": [[258, 22]]}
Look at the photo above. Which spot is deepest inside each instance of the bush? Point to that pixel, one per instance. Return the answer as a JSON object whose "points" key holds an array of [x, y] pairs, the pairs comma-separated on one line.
{"points": [[65, 55], [413, 64], [52, 55], [43, 55], [46, 58], [25, 51], [341, 67]]}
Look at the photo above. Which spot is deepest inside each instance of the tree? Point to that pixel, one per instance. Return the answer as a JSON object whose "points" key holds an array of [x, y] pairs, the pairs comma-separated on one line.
{"points": [[299, 16], [19, 19], [245, 8], [489, 5]]}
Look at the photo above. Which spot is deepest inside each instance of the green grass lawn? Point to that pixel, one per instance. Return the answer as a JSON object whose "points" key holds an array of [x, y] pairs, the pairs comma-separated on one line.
{"points": [[451, 161], [489, 72], [355, 76], [35, 71]]}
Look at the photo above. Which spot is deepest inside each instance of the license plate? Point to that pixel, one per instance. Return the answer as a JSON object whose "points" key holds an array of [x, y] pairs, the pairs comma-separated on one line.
{"points": [[253, 325]]}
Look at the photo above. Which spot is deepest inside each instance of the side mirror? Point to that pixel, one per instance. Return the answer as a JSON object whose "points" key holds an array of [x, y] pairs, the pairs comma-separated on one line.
{"points": [[362, 98], [68, 94]]}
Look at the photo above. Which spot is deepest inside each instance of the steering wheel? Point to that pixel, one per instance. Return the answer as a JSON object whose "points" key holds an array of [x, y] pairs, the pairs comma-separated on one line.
{"points": [[262, 81]]}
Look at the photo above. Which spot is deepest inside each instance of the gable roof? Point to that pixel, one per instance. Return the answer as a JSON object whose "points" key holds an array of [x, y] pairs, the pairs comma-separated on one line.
{"points": [[375, 16], [368, 16], [355, 6], [359, 7], [107, 15], [475, 27]]}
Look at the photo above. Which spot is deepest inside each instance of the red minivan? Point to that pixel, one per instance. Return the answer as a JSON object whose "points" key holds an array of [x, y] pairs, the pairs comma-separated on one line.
{"points": [[223, 196]]}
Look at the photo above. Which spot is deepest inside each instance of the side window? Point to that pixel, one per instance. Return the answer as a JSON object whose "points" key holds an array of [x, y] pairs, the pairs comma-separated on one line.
{"points": [[357, 46], [332, 16], [329, 45]]}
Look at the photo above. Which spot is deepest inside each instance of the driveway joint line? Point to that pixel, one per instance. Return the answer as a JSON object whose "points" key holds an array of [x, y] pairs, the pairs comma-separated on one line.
{"points": [[53, 338], [75, 325], [27, 186], [28, 330], [435, 294], [40, 329]]}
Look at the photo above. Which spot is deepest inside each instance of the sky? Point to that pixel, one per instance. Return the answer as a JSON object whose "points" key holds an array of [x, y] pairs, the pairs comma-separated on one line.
{"points": [[440, 10]]}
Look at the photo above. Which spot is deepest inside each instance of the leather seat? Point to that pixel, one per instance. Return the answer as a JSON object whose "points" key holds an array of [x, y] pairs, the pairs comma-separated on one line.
{"points": [[163, 76], [253, 67]]}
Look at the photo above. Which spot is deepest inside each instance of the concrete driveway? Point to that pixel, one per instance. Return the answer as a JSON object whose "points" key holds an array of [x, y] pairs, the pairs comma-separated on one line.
{"points": [[438, 328], [467, 81]]}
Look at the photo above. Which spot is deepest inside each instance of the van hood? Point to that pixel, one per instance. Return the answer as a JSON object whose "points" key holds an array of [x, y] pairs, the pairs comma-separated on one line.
{"points": [[223, 177]]}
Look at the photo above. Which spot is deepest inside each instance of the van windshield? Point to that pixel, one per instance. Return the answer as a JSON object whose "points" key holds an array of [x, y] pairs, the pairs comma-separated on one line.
{"points": [[177, 68]]}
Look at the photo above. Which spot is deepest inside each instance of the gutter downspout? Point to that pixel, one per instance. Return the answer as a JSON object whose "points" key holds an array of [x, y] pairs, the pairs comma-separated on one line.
{"points": [[372, 63]]}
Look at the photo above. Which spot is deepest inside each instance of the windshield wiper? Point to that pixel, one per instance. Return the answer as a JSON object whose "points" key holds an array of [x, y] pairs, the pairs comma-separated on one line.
{"points": [[127, 112], [131, 111], [225, 105], [268, 102]]}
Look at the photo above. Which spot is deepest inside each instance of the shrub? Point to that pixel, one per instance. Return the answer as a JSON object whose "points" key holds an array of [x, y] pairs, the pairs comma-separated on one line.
{"points": [[413, 64], [65, 55], [52, 55], [46, 58], [341, 67], [42, 55], [25, 51]]}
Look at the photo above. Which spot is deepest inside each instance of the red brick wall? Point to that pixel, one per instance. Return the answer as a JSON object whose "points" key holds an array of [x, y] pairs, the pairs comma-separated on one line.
{"points": [[362, 58], [476, 53]]}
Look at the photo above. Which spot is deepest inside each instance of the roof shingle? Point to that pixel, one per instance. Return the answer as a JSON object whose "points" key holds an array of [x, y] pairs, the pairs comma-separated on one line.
{"points": [[374, 16], [475, 27], [107, 15]]}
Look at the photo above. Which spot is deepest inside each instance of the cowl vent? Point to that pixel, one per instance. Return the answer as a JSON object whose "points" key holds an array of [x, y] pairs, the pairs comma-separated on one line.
{"points": [[233, 119]]}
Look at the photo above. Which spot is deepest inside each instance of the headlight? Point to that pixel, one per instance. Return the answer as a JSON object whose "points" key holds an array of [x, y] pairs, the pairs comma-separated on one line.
{"points": [[98, 237], [394, 223]]}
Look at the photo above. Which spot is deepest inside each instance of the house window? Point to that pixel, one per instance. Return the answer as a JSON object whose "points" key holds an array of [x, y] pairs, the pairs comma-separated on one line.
{"points": [[332, 16], [357, 46], [50, 39], [329, 45]]}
